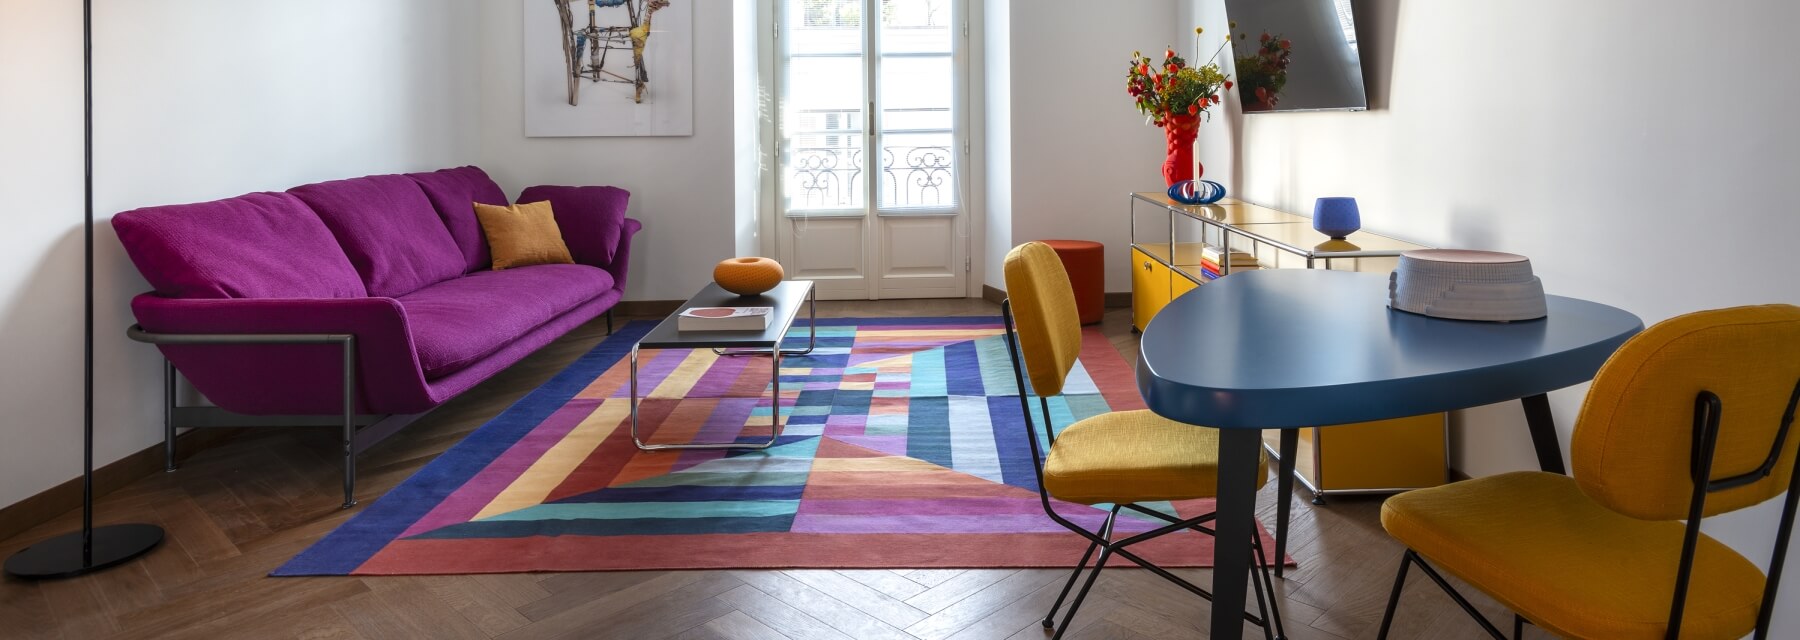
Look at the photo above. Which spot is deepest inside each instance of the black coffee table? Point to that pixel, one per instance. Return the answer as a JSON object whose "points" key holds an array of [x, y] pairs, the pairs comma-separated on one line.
{"points": [[785, 298]]}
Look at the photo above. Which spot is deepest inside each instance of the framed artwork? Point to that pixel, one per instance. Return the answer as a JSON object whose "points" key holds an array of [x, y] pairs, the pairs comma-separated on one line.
{"points": [[609, 68]]}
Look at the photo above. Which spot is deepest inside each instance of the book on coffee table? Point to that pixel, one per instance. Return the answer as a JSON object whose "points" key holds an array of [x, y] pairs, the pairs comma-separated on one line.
{"points": [[725, 319]]}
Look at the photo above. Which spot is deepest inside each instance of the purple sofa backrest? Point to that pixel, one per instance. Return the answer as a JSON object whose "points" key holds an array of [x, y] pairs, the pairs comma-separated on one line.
{"points": [[390, 231], [453, 193], [261, 245], [591, 219]]}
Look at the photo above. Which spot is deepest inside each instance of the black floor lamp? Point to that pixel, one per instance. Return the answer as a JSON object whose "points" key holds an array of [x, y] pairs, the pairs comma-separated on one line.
{"points": [[90, 549]]}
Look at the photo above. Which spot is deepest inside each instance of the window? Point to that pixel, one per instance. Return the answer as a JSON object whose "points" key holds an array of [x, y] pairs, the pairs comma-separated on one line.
{"points": [[868, 108]]}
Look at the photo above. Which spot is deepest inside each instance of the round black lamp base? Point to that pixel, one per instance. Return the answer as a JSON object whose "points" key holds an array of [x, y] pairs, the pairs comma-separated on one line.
{"points": [[60, 557]]}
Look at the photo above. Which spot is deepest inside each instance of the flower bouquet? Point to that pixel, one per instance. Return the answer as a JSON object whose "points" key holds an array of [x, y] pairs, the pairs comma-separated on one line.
{"points": [[1175, 96]]}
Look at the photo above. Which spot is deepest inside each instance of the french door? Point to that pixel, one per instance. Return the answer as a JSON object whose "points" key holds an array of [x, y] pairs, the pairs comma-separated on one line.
{"points": [[870, 120]]}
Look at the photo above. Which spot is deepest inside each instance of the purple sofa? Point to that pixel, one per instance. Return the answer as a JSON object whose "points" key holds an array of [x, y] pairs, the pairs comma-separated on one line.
{"points": [[254, 295]]}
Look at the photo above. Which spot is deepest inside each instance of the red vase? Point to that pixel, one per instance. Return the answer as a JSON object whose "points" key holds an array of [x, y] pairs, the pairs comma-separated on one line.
{"points": [[1180, 132]]}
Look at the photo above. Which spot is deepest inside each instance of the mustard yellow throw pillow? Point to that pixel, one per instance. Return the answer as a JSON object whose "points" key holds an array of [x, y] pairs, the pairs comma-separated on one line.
{"points": [[522, 235]]}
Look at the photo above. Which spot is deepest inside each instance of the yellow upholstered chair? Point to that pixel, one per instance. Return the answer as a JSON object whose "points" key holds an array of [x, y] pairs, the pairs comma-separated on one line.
{"points": [[1122, 459], [1689, 419]]}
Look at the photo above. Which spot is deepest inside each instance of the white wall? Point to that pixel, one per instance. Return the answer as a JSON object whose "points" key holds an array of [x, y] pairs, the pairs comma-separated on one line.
{"points": [[683, 188], [995, 65], [1075, 148], [40, 254], [1642, 154], [753, 122], [195, 100]]}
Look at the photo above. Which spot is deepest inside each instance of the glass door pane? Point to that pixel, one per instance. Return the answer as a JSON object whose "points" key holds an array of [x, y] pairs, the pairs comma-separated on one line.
{"points": [[822, 121], [917, 95]]}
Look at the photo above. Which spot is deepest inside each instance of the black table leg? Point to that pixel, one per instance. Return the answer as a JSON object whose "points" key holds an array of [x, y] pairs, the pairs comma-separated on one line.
{"points": [[1284, 485], [1543, 433], [1238, 455]]}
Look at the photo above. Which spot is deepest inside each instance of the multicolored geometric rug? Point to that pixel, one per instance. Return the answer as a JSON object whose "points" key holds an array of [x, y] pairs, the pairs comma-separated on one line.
{"points": [[904, 447]]}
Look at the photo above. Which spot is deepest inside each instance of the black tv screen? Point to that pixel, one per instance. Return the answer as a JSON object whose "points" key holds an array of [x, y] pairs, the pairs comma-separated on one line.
{"points": [[1296, 55]]}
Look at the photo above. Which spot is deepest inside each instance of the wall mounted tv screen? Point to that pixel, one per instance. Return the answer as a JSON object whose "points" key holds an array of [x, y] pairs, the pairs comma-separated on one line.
{"points": [[1296, 55]]}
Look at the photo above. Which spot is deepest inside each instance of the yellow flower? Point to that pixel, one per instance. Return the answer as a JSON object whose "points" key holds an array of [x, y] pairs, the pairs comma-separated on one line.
{"points": [[1137, 54], [1228, 37], [1198, 31], [1233, 24]]}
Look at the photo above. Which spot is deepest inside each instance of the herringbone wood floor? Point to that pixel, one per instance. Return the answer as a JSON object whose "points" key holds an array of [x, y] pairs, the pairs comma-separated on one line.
{"points": [[235, 512]]}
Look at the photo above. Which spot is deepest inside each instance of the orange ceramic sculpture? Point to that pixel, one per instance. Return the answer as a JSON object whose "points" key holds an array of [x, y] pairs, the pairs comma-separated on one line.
{"points": [[748, 276]]}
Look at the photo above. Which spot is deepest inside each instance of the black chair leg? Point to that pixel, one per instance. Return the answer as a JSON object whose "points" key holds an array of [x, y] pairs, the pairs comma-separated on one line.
{"points": [[1262, 603], [1261, 570], [1467, 607], [1082, 594], [1105, 533], [1518, 627], [1050, 618], [1394, 596]]}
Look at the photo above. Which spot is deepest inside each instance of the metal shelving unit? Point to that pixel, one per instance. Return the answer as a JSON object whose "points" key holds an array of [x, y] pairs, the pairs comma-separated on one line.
{"points": [[1378, 457], [1260, 227]]}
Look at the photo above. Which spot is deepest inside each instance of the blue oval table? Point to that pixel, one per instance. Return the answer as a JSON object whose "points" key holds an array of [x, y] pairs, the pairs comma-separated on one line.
{"points": [[1291, 348]]}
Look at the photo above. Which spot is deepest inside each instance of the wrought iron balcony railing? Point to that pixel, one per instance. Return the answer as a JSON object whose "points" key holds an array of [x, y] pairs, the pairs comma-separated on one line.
{"points": [[912, 177]]}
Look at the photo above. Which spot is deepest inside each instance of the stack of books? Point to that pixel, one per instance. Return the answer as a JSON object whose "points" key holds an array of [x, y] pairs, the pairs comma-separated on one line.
{"points": [[1211, 257], [724, 319]]}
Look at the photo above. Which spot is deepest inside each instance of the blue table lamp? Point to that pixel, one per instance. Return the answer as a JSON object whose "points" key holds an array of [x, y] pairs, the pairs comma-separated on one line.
{"points": [[1336, 217]]}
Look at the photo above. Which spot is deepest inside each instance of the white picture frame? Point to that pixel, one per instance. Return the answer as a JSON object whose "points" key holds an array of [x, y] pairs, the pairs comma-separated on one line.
{"points": [[609, 105]]}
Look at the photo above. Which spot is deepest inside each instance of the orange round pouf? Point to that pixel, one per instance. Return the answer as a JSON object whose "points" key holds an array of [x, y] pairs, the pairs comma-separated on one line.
{"points": [[1086, 263], [748, 276]]}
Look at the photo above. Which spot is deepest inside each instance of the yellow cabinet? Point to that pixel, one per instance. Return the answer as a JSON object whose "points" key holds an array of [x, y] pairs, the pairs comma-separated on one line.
{"points": [[1181, 282], [1370, 457], [1149, 287]]}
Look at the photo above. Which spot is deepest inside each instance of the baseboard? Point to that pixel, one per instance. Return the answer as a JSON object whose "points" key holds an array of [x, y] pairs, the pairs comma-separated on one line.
{"points": [[647, 307], [66, 497], [1117, 300]]}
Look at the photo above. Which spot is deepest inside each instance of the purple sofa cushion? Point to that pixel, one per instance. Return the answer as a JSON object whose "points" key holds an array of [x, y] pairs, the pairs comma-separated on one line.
{"points": [[591, 219], [261, 245], [453, 193], [388, 229], [458, 322]]}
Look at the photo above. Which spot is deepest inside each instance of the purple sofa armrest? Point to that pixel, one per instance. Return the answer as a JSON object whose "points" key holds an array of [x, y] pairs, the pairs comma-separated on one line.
{"points": [[622, 256], [268, 379]]}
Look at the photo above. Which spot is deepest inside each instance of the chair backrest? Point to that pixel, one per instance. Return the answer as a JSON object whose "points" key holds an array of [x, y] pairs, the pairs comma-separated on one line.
{"points": [[1635, 442], [1043, 304]]}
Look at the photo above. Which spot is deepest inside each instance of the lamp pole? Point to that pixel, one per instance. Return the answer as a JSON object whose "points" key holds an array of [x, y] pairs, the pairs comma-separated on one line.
{"points": [[90, 549]]}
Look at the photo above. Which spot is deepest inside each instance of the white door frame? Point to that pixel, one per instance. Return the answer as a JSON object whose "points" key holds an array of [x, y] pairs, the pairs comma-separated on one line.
{"points": [[771, 206]]}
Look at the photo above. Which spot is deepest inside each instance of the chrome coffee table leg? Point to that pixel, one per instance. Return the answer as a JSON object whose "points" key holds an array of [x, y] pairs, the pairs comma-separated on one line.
{"points": [[774, 413]]}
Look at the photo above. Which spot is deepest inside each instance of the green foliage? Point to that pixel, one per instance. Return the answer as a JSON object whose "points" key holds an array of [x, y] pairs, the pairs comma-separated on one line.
{"points": [[1172, 88]]}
